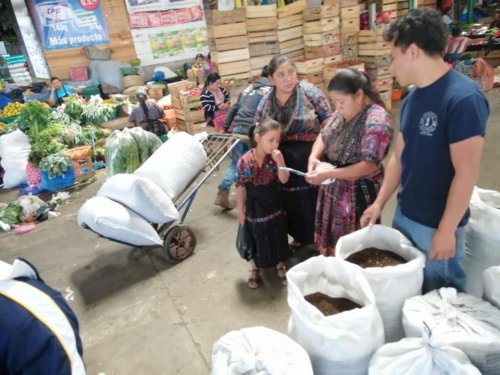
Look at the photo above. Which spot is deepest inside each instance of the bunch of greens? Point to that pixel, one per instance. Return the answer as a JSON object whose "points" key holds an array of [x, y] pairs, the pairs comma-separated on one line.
{"points": [[11, 214], [73, 107], [94, 111], [93, 133], [56, 165], [35, 117], [58, 115], [121, 153], [73, 136]]}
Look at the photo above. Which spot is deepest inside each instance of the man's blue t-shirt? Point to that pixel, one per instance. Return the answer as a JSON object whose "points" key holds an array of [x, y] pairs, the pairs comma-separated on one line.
{"points": [[449, 110], [64, 91]]}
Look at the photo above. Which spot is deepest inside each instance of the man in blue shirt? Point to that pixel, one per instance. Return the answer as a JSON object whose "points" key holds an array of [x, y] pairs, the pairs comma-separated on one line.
{"points": [[58, 91], [437, 155]]}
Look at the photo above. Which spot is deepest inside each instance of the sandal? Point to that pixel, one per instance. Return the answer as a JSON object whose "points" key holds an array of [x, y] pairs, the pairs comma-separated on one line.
{"points": [[281, 271], [254, 279]]}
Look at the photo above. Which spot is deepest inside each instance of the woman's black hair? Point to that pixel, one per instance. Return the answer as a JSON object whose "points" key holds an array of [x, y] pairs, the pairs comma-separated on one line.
{"points": [[211, 78], [200, 55], [262, 128], [349, 81], [276, 61], [142, 97]]}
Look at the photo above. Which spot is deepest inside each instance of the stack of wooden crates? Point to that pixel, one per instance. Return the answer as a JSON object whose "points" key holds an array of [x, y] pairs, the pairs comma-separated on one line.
{"points": [[291, 30], [375, 53], [188, 111], [401, 8], [349, 29], [262, 27], [228, 43]]}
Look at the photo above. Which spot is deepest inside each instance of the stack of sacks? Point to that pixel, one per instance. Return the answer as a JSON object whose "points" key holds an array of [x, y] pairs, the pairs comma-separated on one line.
{"points": [[391, 285], [342, 343], [459, 320], [491, 285], [127, 203], [259, 350]]}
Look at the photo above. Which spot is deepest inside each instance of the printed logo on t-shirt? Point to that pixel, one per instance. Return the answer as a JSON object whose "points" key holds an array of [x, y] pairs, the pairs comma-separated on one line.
{"points": [[428, 123]]}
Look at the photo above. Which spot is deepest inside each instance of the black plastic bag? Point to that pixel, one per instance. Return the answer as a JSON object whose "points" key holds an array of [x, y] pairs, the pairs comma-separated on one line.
{"points": [[244, 242]]}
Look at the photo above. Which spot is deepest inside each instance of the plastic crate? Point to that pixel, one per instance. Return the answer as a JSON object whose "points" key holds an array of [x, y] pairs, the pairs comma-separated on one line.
{"points": [[8, 120], [129, 70], [87, 92], [59, 182]]}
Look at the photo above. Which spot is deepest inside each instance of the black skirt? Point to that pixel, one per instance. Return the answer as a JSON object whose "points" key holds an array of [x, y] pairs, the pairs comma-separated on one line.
{"points": [[266, 222], [300, 197]]}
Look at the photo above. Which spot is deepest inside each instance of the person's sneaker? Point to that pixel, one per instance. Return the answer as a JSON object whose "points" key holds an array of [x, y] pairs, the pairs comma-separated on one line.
{"points": [[222, 200]]}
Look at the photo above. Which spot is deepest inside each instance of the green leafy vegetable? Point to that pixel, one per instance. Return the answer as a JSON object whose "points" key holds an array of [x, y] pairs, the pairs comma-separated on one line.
{"points": [[11, 214], [56, 165]]}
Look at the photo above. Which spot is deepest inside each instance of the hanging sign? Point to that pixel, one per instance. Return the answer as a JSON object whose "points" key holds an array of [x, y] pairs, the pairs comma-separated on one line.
{"points": [[70, 23]]}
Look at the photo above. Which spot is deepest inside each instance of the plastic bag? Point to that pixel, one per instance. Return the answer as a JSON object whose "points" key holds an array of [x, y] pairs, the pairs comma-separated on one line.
{"points": [[140, 137], [154, 142], [15, 149], [482, 237], [337, 344], [244, 242], [491, 285], [121, 153], [460, 320], [391, 285]]}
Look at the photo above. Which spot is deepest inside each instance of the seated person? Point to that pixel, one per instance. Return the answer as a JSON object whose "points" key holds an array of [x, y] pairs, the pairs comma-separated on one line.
{"points": [[458, 44], [58, 91], [148, 114], [496, 21]]}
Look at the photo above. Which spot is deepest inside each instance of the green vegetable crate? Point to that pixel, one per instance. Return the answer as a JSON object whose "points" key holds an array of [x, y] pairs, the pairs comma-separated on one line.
{"points": [[87, 92]]}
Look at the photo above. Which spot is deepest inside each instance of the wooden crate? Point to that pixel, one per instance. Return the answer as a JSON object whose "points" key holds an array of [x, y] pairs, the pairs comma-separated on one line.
{"points": [[374, 49], [389, 7], [174, 89], [349, 39], [194, 115], [314, 78], [227, 30], [329, 72], [384, 84], [350, 52], [292, 45], [322, 26], [348, 3], [261, 11], [328, 24], [266, 48], [292, 9], [349, 26], [289, 22], [320, 39], [227, 44], [375, 73], [263, 36], [257, 63], [230, 56], [309, 66], [218, 17], [297, 55], [333, 60], [83, 169], [262, 24], [376, 61], [236, 76], [331, 49], [321, 12], [349, 12], [234, 68], [289, 34], [371, 36]]}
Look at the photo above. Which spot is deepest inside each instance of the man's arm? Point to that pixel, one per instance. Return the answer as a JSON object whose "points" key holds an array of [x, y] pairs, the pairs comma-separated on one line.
{"points": [[390, 184], [466, 158]]}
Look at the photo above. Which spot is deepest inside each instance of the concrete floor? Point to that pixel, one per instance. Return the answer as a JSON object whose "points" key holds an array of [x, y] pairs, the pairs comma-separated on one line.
{"points": [[140, 315]]}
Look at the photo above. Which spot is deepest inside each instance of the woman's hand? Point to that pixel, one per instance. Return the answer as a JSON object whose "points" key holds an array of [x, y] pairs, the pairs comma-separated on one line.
{"points": [[311, 165], [278, 158], [317, 177]]}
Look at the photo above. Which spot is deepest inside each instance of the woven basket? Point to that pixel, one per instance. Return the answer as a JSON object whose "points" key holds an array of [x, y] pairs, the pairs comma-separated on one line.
{"points": [[79, 153], [133, 80]]}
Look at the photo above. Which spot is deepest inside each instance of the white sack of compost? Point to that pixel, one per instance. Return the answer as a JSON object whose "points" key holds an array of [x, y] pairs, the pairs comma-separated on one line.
{"points": [[142, 196], [460, 320], [112, 220], [175, 164], [491, 285], [259, 351], [342, 343], [482, 237], [15, 149], [392, 285], [420, 356], [121, 153]]}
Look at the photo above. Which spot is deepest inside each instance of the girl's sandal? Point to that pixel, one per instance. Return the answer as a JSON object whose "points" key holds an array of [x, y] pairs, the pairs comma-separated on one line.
{"points": [[281, 271], [254, 279]]}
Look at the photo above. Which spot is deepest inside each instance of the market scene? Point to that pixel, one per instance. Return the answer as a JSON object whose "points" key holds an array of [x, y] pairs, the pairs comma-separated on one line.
{"points": [[247, 187]]}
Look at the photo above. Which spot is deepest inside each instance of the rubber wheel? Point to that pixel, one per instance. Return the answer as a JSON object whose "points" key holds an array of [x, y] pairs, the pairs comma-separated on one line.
{"points": [[179, 243]]}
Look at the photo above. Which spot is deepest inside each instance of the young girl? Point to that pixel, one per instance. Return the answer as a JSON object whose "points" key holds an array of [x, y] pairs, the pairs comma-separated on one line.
{"points": [[259, 201]]}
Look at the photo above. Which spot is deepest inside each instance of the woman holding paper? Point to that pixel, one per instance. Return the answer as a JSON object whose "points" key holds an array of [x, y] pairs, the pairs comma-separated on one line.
{"points": [[301, 109], [355, 140]]}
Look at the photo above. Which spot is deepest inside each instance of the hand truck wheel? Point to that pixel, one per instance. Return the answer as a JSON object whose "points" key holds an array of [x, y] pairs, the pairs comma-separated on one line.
{"points": [[179, 243]]}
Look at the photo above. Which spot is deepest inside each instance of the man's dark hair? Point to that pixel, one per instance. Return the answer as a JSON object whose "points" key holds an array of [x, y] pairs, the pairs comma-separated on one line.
{"points": [[53, 79], [423, 27], [265, 71]]}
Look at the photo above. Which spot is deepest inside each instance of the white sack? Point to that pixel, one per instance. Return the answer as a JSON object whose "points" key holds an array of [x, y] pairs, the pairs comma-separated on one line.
{"points": [[420, 356], [482, 237], [112, 220], [174, 164], [142, 196], [491, 285], [15, 149], [342, 343], [259, 350], [391, 285], [460, 320]]}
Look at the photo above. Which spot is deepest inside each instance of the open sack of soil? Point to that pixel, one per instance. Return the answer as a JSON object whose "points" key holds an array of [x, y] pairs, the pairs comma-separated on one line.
{"points": [[460, 320], [258, 351], [419, 356], [491, 285], [342, 343], [392, 285], [482, 236]]}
